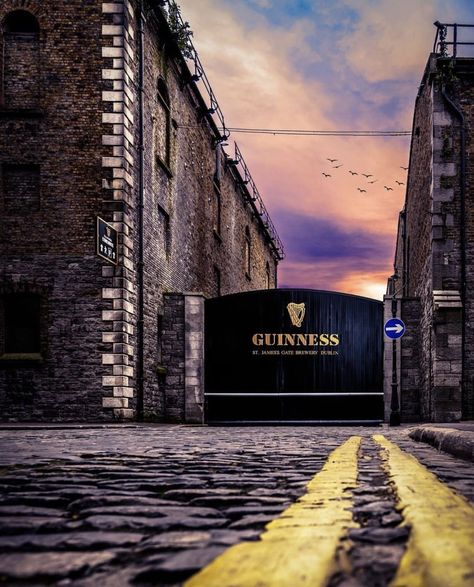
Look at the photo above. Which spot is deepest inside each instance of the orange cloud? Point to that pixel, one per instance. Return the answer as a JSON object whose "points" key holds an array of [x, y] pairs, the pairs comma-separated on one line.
{"points": [[272, 76]]}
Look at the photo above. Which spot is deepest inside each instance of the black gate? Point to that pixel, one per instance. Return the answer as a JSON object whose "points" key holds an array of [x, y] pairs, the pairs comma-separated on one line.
{"points": [[293, 355]]}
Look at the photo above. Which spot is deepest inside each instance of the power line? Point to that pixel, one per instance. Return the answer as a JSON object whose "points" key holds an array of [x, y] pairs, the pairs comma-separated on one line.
{"points": [[324, 133]]}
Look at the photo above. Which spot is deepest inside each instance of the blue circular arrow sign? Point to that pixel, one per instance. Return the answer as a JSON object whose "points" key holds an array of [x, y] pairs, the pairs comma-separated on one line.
{"points": [[394, 328]]}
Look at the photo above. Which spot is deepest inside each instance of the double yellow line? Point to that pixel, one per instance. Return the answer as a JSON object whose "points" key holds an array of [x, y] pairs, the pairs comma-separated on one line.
{"points": [[298, 549], [440, 551]]}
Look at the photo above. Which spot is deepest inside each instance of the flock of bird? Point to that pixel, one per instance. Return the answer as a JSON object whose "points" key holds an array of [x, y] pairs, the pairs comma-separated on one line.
{"points": [[368, 176]]}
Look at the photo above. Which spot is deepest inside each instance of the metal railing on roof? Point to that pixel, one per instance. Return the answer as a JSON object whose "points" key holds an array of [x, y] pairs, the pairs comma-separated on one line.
{"points": [[199, 75], [447, 42], [239, 163]]}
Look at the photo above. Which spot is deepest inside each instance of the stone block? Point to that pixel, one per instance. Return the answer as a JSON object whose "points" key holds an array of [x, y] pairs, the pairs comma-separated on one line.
{"points": [[124, 413], [115, 402], [112, 8]]}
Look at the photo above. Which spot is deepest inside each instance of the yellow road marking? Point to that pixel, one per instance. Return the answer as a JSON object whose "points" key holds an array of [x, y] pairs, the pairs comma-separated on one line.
{"points": [[440, 551], [299, 547]]}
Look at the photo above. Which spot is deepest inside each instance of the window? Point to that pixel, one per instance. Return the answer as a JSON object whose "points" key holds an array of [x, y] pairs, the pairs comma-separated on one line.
{"points": [[20, 188], [267, 276], [21, 62], [217, 282], [218, 170], [165, 230], [217, 211], [247, 252], [21, 317], [162, 128]]}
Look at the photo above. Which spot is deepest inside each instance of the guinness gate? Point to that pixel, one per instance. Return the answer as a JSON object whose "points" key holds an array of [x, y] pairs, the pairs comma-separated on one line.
{"points": [[293, 356]]}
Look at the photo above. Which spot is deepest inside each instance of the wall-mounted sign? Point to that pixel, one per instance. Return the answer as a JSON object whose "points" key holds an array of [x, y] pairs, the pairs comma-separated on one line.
{"points": [[107, 241], [394, 328]]}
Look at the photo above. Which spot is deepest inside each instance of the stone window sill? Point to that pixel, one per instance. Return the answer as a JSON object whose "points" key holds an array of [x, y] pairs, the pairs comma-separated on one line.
{"points": [[21, 112], [31, 358], [164, 166]]}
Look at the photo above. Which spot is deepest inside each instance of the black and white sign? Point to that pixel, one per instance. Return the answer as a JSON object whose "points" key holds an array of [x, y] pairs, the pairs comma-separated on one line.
{"points": [[107, 241]]}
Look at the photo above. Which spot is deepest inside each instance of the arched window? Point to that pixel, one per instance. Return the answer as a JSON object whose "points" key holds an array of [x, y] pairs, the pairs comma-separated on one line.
{"points": [[267, 276], [247, 251], [21, 60], [163, 125]]}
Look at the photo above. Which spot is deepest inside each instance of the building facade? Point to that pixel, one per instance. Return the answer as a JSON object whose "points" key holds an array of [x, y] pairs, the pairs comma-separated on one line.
{"points": [[432, 288], [106, 112]]}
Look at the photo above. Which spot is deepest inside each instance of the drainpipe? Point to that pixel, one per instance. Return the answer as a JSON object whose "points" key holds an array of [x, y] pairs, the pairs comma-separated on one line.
{"points": [[462, 139], [140, 264]]}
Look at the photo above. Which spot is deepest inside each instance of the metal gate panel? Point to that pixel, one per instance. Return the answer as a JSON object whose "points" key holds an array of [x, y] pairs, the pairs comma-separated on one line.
{"points": [[319, 361]]}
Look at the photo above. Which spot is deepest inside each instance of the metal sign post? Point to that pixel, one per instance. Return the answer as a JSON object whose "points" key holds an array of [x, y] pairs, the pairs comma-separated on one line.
{"points": [[394, 329]]}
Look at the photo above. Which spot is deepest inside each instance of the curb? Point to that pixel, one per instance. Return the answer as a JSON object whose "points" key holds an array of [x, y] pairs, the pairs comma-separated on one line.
{"points": [[459, 443]]}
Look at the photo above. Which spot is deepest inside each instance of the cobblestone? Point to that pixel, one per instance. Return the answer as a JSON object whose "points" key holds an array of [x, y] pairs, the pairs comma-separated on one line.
{"points": [[143, 505]]}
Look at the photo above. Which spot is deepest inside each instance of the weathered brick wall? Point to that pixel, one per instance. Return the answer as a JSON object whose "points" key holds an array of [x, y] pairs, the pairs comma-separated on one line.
{"points": [[47, 246], [182, 248], [410, 361], [69, 152], [464, 91], [430, 256], [173, 356]]}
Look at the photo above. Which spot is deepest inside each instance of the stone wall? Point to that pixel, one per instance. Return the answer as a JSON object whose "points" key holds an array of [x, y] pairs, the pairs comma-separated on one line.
{"points": [[410, 361], [69, 152], [430, 261], [50, 124]]}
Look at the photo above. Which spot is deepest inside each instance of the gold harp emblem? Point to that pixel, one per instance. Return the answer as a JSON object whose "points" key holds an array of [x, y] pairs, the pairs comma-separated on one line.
{"points": [[296, 312]]}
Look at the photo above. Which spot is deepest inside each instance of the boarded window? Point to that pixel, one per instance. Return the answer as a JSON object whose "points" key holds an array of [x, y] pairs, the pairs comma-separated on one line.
{"points": [[162, 129], [247, 251], [21, 188], [217, 209], [164, 230], [217, 281], [21, 318], [21, 61]]}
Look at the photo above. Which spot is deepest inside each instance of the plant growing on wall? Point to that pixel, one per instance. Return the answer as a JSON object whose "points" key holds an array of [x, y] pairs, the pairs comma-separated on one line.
{"points": [[180, 29]]}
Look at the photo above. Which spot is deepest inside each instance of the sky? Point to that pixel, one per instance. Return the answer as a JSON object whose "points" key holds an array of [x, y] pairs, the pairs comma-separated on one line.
{"points": [[323, 65]]}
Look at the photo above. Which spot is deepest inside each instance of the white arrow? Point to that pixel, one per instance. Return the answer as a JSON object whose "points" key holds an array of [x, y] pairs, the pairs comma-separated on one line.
{"points": [[398, 328]]}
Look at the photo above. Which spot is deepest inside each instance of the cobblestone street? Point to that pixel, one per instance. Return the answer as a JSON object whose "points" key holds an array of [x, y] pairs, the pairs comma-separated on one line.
{"points": [[154, 504]]}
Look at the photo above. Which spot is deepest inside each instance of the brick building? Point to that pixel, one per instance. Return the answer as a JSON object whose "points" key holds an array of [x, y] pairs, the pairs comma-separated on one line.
{"points": [[105, 111], [432, 288]]}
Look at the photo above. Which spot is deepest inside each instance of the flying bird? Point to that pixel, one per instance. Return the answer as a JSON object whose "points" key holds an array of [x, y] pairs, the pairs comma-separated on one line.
{"points": [[399, 182], [367, 175], [331, 160], [388, 189], [373, 181], [353, 172], [360, 190], [337, 166], [326, 174], [405, 168]]}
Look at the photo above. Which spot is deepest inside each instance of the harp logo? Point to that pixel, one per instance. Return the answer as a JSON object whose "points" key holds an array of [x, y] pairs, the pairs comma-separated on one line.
{"points": [[296, 312]]}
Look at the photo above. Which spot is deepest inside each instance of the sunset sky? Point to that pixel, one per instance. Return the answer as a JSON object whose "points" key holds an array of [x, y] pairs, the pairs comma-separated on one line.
{"points": [[323, 65]]}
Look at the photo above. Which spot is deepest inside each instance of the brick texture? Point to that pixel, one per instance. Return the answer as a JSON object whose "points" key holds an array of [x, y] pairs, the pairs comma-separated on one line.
{"points": [[69, 112], [437, 368]]}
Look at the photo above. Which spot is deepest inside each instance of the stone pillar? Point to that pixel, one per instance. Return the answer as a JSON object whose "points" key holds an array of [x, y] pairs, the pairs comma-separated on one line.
{"points": [[194, 358], [183, 357], [410, 361]]}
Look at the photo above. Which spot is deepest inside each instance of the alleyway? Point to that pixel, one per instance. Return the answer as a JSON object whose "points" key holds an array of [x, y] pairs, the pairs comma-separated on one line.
{"points": [[152, 505]]}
